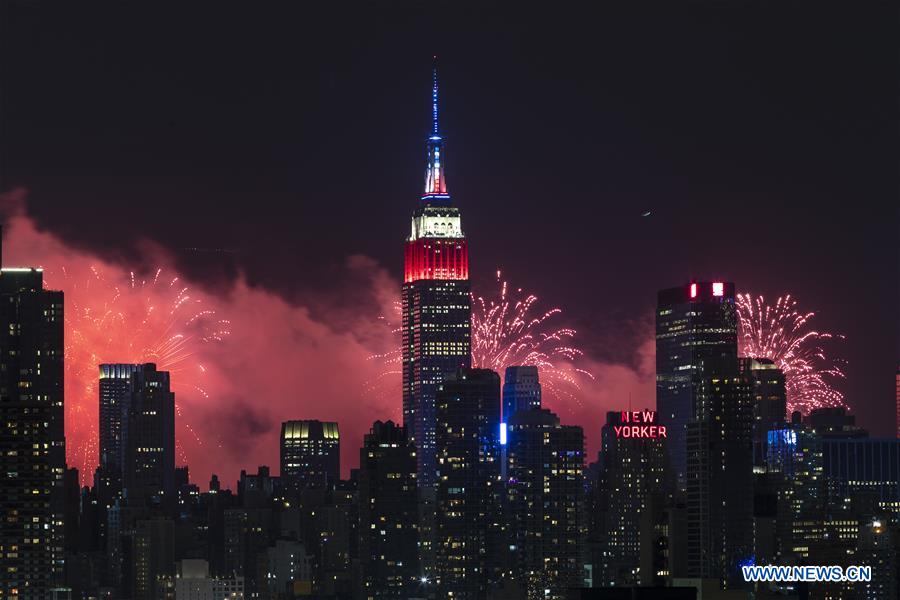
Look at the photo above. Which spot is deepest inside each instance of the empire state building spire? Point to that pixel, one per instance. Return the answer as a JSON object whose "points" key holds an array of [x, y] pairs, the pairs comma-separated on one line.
{"points": [[435, 183], [436, 304]]}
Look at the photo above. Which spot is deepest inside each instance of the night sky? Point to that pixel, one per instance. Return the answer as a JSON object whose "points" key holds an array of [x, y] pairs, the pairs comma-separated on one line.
{"points": [[761, 135]]}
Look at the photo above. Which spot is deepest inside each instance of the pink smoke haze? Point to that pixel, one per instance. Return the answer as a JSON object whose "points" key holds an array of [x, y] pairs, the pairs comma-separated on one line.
{"points": [[252, 358]]}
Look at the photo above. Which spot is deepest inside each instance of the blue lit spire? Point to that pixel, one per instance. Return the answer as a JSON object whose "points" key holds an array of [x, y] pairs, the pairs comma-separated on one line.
{"points": [[434, 99], [435, 184]]}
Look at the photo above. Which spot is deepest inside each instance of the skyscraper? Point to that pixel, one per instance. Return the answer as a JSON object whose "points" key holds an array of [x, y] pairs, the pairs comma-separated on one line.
{"points": [[631, 478], [468, 489], [545, 502], [436, 305], [694, 323], [31, 435], [720, 474], [115, 403], [137, 432], [521, 390], [388, 513], [769, 402], [310, 454]]}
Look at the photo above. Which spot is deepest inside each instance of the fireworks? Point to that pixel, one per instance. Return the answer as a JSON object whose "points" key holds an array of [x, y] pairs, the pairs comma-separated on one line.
{"points": [[782, 333], [128, 320], [506, 331], [386, 385]]}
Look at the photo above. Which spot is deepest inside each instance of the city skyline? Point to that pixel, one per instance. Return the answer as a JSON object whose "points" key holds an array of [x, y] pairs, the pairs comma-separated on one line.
{"points": [[642, 348], [582, 405], [625, 117]]}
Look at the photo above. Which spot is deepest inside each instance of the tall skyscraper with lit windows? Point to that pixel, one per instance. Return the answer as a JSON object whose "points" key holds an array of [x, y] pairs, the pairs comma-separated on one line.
{"points": [[388, 513], [437, 309], [545, 503], [468, 529], [33, 457], [695, 324]]}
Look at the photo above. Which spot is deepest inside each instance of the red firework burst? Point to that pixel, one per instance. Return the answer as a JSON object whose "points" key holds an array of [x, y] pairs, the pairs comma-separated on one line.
{"points": [[782, 333], [129, 320], [507, 331]]}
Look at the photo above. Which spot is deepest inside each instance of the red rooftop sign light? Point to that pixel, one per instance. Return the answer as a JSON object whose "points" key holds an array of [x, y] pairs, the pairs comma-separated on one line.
{"points": [[639, 424]]}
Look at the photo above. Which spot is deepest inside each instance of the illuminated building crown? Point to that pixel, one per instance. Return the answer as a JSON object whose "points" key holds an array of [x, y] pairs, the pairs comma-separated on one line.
{"points": [[436, 248], [435, 183]]}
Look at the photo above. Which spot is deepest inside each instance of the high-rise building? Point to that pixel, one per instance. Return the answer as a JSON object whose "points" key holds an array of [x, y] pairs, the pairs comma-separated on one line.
{"points": [[32, 461], [436, 306], [521, 390], [137, 434], [862, 466], [632, 477], [310, 454], [115, 403], [719, 499], [152, 557], [150, 447], [388, 513], [545, 490], [468, 490], [694, 322], [769, 402]]}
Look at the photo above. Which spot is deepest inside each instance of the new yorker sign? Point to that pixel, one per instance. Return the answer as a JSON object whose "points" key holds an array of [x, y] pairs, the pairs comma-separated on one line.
{"points": [[639, 424]]}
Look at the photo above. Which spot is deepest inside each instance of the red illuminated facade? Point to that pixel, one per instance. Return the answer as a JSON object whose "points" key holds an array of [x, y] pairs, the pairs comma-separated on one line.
{"points": [[430, 258]]}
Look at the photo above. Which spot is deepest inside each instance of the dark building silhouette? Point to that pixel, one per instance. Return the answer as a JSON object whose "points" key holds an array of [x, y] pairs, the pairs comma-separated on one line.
{"points": [[152, 558], [436, 306], [545, 506], [310, 454], [719, 498], [521, 390], [769, 402], [834, 422], [468, 491], [862, 466], [32, 460], [694, 323], [388, 513], [150, 439], [136, 434]]}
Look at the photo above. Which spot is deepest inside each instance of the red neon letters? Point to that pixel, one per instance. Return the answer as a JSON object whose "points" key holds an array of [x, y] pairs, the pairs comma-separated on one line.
{"points": [[639, 424]]}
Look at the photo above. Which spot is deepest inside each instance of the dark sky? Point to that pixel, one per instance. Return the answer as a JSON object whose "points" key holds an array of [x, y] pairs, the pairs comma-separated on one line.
{"points": [[762, 135]]}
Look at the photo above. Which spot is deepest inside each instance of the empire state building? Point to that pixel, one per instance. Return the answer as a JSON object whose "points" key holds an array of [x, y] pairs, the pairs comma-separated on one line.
{"points": [[437, 308]]}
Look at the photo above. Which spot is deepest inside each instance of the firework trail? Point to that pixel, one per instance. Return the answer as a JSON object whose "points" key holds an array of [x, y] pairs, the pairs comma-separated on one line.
{"points": [[505, 332], [134, 320], [782, 333], [387, 384]]}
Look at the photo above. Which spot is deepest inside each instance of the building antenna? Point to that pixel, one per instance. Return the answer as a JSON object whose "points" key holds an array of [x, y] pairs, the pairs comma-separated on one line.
{"points": [[434, 96]]}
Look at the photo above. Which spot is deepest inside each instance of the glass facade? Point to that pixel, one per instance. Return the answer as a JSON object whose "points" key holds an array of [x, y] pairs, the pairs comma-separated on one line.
{"points": [[695, 323]]}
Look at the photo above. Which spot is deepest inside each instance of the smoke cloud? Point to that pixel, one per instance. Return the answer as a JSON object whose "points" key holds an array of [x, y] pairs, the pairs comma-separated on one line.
{"points": [[243, 359]]}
